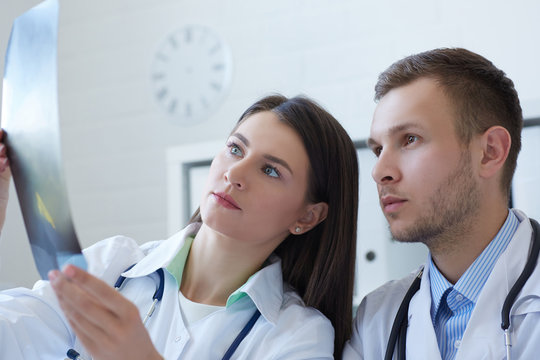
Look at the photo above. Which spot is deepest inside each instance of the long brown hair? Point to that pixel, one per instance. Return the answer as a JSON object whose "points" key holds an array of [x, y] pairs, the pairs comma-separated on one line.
{"points": [[320, 263]]}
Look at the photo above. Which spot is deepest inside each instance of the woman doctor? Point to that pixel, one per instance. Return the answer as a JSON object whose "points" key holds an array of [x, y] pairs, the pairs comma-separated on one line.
{"points": [[275, 233]]}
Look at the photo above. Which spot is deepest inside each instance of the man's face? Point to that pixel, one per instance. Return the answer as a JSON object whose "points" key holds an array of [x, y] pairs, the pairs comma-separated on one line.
{"points": [[426, 182]]}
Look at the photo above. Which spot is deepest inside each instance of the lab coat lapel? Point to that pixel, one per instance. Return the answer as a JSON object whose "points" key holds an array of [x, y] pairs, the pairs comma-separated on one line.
{"points": [[483, 337], [421, 339]]}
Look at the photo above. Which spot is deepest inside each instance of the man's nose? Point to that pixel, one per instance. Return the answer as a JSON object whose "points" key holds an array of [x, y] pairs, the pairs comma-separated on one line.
{"points": [[386, 169]]}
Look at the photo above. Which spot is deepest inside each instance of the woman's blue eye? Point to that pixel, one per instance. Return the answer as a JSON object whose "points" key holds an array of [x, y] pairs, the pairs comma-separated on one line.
{"points": [[271, 171], [235, 150]]}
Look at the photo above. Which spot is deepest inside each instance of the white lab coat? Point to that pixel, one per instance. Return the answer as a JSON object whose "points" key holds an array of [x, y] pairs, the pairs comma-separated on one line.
{"points": [[483, 337], [32, 325]]}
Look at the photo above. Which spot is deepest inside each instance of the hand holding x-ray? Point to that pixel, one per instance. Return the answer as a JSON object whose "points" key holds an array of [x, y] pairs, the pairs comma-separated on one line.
{"points": [[31, 134]]}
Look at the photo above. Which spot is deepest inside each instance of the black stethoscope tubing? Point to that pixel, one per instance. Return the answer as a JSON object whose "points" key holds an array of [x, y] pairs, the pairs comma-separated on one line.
{"points": [[158, 295], [398, 334]]}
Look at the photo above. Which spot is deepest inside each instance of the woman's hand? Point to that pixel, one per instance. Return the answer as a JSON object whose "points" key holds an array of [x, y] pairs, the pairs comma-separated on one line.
{"points": [[5, 176], [108, 325]]}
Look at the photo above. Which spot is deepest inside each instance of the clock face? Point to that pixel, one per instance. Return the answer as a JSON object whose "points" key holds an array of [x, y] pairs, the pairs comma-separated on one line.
{"points": [[191, 73]]}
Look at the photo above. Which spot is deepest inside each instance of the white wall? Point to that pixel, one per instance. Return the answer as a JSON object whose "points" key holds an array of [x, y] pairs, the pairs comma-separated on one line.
{"points": [[114, 136]]}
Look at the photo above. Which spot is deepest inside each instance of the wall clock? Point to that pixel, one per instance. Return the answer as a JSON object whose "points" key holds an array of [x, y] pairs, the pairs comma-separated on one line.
{"points": [[191, 73]]}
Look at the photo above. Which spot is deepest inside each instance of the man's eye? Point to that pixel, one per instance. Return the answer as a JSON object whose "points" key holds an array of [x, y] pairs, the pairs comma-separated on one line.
{"points": [[411, 139]]}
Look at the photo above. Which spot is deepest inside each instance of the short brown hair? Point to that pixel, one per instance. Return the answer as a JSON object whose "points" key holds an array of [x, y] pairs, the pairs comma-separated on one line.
{"points": [[482, 94]]}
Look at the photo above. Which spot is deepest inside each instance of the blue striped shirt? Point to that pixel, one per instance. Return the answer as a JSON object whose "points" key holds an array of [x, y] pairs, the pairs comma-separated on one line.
{"points": [[452, 305]]}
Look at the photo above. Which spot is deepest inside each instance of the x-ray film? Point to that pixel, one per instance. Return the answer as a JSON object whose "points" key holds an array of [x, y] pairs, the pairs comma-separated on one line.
{"points": [[32, 136]]}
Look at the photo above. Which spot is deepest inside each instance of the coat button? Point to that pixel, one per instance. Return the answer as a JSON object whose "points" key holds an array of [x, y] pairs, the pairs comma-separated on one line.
{"points": [[178, 338]]}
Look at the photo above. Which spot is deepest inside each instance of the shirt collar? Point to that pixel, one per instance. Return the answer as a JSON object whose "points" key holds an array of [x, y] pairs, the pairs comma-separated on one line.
{"points": [[162, 255], [470, 284], [438, 286], [264, 288]]}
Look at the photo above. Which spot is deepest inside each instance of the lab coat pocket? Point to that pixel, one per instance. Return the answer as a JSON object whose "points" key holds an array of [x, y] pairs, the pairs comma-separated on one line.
{"points": [[525, 332]]}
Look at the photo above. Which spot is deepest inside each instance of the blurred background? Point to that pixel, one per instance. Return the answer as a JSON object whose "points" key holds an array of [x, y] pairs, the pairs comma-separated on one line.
{"points": [[122, 137]]}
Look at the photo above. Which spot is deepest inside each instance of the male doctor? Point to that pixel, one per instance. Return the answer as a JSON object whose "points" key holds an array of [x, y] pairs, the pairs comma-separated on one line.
{"points": [[446, 133]]}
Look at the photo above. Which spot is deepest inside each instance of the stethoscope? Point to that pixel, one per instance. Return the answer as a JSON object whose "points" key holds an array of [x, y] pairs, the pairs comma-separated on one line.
{"points": [[158, 295], [398, 334]]}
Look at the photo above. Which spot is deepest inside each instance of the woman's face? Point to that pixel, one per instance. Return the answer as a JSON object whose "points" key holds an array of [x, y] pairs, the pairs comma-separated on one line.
{"points": [[257, 186]]}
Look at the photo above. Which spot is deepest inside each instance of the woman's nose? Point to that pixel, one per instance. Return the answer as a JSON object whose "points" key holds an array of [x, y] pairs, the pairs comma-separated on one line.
{"points": [[236, 175]]}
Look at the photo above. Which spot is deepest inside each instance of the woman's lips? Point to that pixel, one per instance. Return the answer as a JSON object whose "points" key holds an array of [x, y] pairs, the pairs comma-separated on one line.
{"points": [[226, 201]]}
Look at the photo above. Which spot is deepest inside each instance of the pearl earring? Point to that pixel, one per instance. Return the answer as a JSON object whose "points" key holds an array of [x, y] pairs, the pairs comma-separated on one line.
{"points": [[297, 229]]}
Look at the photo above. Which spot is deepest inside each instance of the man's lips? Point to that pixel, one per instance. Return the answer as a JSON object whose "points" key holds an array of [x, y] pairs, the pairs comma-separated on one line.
{"points": [[391, 203], [226, 200]]}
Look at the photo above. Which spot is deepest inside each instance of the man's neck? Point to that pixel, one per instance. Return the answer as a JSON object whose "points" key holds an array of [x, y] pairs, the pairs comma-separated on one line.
{"points": [[453, 256]]}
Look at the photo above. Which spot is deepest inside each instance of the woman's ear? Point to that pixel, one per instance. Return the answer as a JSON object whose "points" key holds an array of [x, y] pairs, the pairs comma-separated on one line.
{"points": [[315, 213], [495, 143]]}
